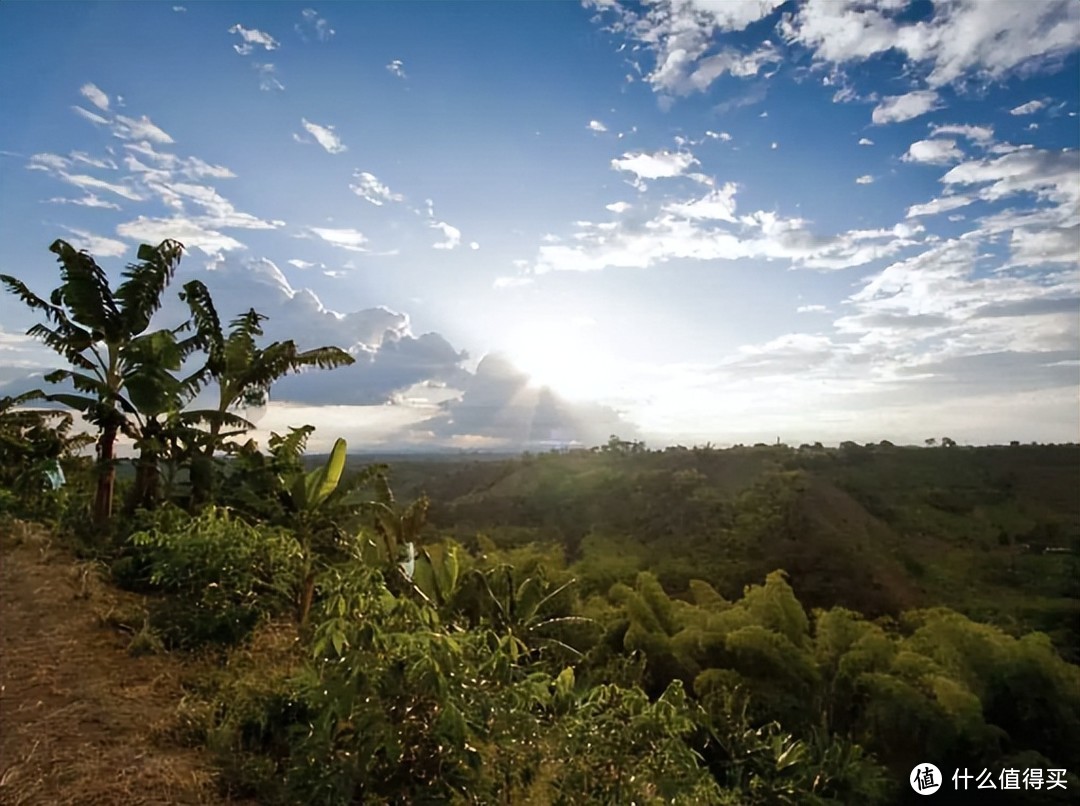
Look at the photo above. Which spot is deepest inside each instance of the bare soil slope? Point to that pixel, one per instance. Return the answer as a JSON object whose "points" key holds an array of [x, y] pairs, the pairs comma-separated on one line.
{"points": [[81, 720]]}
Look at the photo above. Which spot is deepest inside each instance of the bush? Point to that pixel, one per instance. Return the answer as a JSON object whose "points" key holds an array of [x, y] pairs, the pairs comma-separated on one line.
{"points": [[222, 576]]}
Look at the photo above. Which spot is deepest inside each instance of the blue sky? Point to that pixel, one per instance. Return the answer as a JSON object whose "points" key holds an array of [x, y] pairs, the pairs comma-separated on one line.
{"points": [[540, 223]]}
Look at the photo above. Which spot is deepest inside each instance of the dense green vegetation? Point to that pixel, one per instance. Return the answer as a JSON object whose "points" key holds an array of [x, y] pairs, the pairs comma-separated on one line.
{"points": [[752, 625]]}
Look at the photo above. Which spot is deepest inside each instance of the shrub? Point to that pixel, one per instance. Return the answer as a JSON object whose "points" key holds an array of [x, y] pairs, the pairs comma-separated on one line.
{"points": [[223, 576]]}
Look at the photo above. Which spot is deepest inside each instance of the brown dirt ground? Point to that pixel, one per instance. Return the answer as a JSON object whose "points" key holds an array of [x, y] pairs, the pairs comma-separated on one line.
{"points": [[82, 721]]}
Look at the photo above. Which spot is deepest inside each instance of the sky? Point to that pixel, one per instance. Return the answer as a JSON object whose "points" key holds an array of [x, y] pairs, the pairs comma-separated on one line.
{"points": [[539, 224]]}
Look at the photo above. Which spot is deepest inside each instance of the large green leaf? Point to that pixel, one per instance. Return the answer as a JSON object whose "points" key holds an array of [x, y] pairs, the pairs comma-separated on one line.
{"points": [[325, 480]]}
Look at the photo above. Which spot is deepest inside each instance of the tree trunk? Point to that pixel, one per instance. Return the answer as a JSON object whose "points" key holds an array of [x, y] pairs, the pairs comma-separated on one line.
{"points": [[106, 473], [307, 594], [145, 493]]}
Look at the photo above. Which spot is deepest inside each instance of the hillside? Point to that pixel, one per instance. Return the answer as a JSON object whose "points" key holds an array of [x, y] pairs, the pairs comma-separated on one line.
{"points": [[992, 532]]}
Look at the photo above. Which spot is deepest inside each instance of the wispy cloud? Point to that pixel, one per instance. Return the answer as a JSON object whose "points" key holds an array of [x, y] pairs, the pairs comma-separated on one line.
{"points": [[397, 68], [597, 126], [325, 136], [345, 238], [141, 129], [89, 200], [1030, 108], [312, 26], [252, 38], [95, 244], [91, 116], [865, 179], [268, 80], [95, 96], [369, 188]]}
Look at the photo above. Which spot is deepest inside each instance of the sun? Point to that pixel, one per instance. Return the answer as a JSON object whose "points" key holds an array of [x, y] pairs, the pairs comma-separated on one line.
{"points": [[561, 357]]}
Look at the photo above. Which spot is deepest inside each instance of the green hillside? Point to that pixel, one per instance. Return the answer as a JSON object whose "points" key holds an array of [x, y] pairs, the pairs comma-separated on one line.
{"points": [[992, 532]]}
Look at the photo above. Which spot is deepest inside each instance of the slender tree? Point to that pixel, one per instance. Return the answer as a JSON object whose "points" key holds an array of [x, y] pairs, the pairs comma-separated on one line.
{"points": [[102, 334]]}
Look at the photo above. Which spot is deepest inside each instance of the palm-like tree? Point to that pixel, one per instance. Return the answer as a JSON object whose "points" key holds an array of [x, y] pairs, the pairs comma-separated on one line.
{"points": [[102, 334], [244, 372]]}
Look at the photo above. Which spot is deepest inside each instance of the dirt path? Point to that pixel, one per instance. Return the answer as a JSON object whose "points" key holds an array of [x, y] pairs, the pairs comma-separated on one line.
{"points": [[81, 719]]}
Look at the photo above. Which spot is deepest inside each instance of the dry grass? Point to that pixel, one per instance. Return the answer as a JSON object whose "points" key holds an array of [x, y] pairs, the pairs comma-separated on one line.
{"points": [[81, 720]]}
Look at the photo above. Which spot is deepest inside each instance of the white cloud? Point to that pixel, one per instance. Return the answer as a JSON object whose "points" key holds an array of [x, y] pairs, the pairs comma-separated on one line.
{"points": [[898, 108], [865, 179], [325, 136], [618, 207], [346, 238], [452, 235], [95, 244], [597, 126], [142, 129], [1030, 108], [933, 152], [397, 68], [302, 264], [680, 35], [723, 137], [811, 309], [369, 188], [939, 205], [658, 165], [312, 25], [268, 80], [85, 182], [92, 117], [717, 205], [473, 245], [991, 40], [95, 96], [179, 9], [865, 141], [983, 135], [1048, 174], [189, 231], [89, 200], [774, 146], [252, 38]]}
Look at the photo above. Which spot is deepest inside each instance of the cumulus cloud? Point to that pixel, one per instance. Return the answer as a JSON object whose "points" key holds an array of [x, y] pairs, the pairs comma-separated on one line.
{"points": [[991, 40], [933, 152], [898, 108], [451, 235], [865, 179], [368, 187], [325, 136], [597, 126], [95, 96], [396, 68], [865, 141], [718, 204], [618, 207], [312, 26], [499, 407], [252, 38], [657, 165], [681, 36]]}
